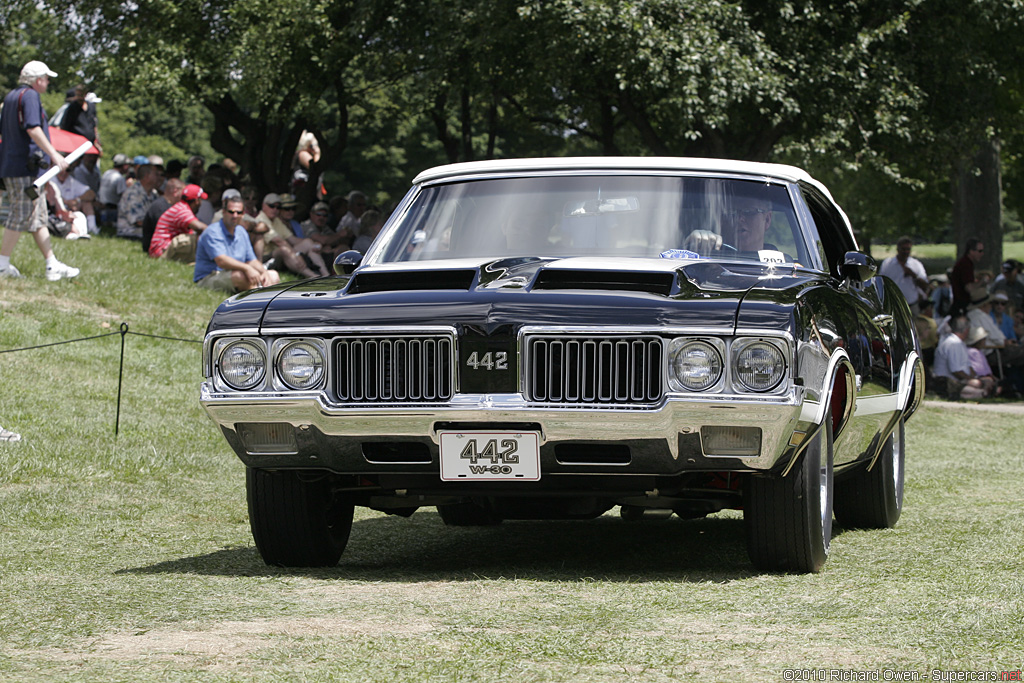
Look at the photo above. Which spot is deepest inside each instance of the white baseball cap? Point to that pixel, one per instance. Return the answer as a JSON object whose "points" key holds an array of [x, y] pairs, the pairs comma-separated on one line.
{"points": [[36, 69]]}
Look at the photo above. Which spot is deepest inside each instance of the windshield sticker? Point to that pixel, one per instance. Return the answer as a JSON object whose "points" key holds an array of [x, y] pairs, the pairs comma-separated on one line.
{"points": [[771, 256], [679, 253]]}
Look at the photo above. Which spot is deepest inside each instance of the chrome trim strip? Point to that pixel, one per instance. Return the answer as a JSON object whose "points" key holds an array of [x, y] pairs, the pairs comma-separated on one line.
{"points": [[876, 405], [776, 418]]}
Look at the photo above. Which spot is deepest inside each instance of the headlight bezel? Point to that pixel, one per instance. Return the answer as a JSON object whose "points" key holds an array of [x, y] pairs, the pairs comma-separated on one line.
{"points": [[256, 346], [743, 345], [680, 345], [282, 346]]}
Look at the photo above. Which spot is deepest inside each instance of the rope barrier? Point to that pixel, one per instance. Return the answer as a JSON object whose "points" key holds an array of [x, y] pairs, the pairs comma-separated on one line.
{"points": [[124, 332]]}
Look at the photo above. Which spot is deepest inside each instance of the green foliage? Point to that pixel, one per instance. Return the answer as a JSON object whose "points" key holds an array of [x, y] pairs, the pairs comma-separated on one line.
{"points": [[884, 98]]}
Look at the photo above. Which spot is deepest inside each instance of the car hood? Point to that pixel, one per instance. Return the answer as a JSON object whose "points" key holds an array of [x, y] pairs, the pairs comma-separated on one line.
{"points": [[692, 293]]}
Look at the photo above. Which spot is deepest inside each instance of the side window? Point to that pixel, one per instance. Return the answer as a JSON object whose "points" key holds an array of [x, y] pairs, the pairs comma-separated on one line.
{"points": [[833, 238]]}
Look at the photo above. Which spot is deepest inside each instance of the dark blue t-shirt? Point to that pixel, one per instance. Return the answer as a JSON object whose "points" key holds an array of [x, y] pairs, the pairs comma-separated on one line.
{"points": [[17, 145]]}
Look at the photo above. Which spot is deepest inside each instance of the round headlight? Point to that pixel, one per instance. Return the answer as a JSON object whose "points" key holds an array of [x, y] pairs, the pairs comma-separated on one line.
{"points": [[696, 365], [242, 364], [301, 365], [760, 366]]}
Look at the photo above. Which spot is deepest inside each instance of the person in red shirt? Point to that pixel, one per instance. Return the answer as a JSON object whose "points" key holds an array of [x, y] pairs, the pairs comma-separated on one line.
{"points": [[178, 228]]}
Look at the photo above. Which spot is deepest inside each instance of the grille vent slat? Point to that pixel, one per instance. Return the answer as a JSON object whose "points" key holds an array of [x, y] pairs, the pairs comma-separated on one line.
{"points": [[588, 371], [393, 370]]}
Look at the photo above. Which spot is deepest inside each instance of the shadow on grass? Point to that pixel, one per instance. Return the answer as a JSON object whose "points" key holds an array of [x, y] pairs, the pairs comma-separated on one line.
{"points": [[421, 548]]}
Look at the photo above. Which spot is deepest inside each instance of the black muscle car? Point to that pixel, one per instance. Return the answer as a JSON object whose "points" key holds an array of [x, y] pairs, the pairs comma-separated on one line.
{"points": [[551, 338]]}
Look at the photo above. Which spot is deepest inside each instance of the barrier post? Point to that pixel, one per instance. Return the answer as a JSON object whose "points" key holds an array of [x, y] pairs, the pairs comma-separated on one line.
{"points": [[120, 375]]}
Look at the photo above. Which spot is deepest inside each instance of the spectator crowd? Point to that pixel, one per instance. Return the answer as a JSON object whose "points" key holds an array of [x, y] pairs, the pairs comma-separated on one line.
{"points": [[206, 215], [969, 323]]}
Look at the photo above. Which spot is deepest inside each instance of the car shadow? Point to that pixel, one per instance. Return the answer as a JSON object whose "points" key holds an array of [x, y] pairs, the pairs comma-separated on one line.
{"points": [[421, 548]]}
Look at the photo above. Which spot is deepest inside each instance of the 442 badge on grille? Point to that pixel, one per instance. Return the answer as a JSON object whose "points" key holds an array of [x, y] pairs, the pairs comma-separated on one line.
{"points": [[490, 456]]}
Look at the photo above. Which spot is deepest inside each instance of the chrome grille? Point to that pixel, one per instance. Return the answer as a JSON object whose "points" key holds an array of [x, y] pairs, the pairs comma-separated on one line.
{"points": [[393, 369], [594, 370]]}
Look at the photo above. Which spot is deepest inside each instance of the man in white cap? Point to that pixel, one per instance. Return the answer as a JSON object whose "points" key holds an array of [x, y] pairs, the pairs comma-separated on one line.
{"points": [[26, 132]]}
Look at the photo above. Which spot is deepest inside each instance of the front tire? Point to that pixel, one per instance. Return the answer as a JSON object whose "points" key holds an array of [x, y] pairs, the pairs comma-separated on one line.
{"points": [[296, 522], [789, 519], [874, 500]]}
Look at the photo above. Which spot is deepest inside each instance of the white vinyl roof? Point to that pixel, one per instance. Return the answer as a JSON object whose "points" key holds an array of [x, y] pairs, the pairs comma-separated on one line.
{"points": [[498, 166]]}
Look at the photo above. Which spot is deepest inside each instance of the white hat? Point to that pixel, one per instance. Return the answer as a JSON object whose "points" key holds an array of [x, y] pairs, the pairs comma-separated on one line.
{"points": [[35, 69], [976, 335], [94, 98]]}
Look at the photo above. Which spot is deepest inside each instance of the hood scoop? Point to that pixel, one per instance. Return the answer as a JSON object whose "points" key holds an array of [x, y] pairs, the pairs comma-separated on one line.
{"points": [[613, 280], [405, 281]]}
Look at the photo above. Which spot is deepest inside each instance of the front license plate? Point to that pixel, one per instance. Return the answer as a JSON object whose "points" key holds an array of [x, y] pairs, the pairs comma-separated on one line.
{"points": [[490, 456]]}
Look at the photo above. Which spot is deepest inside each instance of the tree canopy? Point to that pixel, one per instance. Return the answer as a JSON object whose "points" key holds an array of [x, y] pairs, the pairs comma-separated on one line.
{"points": [[884, 100]]}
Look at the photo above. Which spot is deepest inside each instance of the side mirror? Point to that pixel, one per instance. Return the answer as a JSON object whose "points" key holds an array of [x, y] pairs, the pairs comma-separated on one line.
{"points": [[347, 261], [858, 266]]}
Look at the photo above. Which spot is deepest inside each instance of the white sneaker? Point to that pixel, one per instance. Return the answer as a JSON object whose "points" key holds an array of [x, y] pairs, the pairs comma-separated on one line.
{"points": [[59, 270], [10, 271], [9, 436]]}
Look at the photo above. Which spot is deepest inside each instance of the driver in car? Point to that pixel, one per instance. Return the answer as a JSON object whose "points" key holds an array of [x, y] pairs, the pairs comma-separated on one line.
{"points": [[749, 219]]}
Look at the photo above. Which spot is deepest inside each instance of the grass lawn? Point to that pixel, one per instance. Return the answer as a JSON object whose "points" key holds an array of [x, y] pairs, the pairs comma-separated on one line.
{"points": [[130, 558]]}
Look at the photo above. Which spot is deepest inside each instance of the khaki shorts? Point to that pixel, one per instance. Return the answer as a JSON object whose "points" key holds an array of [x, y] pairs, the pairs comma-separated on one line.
{"points": [[218, 280], [27, 215], [182, 248]]}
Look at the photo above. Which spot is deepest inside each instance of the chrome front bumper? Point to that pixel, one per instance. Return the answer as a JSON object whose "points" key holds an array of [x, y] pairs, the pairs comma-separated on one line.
{"points": [[677, 422]]}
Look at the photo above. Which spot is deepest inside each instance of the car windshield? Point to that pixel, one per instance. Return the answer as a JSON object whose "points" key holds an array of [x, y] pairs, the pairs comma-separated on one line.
{"points": [[600, 215]]}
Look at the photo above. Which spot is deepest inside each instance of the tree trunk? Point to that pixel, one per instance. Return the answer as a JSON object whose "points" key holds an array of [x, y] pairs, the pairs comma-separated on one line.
{"points": [[977, 204]]}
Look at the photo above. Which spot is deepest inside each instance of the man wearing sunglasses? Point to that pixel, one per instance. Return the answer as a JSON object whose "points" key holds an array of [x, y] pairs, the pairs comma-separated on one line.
{"points": [[224, 256]]}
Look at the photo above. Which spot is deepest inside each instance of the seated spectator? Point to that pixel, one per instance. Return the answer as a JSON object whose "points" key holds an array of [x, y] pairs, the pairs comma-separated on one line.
{"points": [[1008, 282], [87, 171], [300, 256], [1003, 352], [172, 193], [369, 227], [136, 200], [231, 193], [196, 170], [952, 364], [348, 226], [942, 295], [174, 169], [112, 185], [224, 256], [78, 197], [339, 207], [176, 231], [213, 186], [287, 214], [65, 220], [927, 332], [318, 228], [1001, 315], [979, 364]]}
